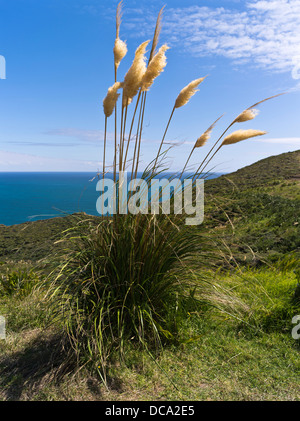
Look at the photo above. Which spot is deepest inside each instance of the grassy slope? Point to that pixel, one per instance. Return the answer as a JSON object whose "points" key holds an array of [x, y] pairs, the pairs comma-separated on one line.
{"points": [[227, 360], [230, 360], [257, 208], [249, 196], [32, 241], [262, 174]]}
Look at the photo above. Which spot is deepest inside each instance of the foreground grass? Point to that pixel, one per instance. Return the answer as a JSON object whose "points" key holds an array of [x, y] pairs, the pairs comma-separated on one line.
{"points": [[221, 366], [227, 359]]}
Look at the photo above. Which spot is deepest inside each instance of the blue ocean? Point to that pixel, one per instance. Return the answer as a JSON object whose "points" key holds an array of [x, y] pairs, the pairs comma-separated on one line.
{"points": [[32, 196]]}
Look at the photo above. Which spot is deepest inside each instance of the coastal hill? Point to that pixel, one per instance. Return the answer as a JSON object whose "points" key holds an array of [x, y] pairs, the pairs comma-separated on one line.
{"points": [[264, 173], [257, 209], [263, 201]]}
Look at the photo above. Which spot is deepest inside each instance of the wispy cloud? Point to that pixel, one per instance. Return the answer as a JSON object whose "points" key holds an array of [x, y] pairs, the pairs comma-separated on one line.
{"points": [[295, 141], [295, 88], [48, 144], [90, 136], [264, 34], [87, 136], [12, 161]]}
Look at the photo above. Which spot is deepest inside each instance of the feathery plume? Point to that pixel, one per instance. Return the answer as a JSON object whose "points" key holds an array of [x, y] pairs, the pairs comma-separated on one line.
{"points": [[187, 92], [156, 33], [111, 98], [250, 113], [264, 100], [119, 18], [246, 115], [155, 68], [134, 76], [120, 47], [120, 51], [201, 141], [241, 135]]}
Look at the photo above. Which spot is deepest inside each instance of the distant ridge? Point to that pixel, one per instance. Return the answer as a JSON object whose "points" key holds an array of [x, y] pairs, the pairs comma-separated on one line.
{"points": [[281, 167]]}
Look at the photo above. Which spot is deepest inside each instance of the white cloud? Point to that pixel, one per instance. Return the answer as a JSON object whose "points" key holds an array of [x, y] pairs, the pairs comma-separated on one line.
{"points": [[281, 141], [11, 161], [264, 33], [295, 88], [90, 136]]}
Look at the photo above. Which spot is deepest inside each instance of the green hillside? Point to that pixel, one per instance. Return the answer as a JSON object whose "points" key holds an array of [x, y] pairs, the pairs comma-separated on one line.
{"points": [[259, 204], [257, 209], [280, 170], [34, 240]]}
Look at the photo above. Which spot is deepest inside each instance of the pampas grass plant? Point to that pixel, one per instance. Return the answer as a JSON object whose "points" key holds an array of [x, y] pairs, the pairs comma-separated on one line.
{"points": [[127, 279]]}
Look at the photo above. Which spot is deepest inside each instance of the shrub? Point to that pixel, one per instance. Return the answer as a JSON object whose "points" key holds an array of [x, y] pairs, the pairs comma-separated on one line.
{"points": [[127, 279], [20, 281]]}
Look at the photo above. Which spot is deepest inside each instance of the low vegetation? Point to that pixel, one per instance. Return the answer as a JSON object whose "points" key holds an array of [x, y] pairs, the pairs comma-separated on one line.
{"points": [[248, 355]]}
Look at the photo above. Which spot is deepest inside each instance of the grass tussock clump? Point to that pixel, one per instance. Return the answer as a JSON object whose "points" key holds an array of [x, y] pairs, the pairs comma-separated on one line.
{"points": [[124, 282]]}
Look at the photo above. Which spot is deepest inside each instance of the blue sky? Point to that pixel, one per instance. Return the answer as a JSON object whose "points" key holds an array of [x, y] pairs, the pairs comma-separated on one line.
{"points": [[59, 64]]}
